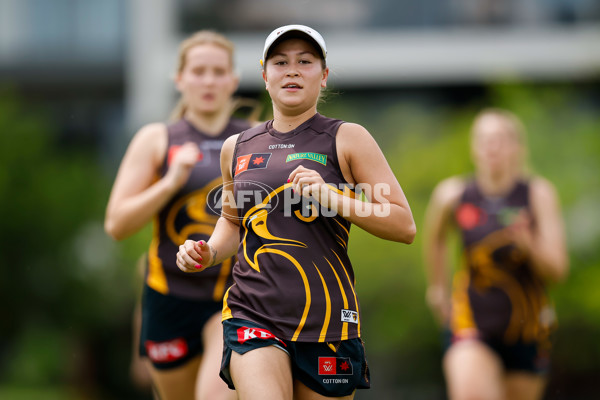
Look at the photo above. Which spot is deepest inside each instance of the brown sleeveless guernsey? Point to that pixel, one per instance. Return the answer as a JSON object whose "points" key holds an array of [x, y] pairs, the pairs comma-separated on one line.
{"points": [[293, 275], [189, 215], [497, 294]]}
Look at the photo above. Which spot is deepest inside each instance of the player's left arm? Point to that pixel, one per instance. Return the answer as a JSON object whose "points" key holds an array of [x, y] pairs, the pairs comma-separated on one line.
{"points": [[547, 247], [387, 213]]}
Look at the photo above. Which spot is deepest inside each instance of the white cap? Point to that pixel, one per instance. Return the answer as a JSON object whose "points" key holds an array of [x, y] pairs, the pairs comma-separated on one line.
{"points": [[308, 31]]}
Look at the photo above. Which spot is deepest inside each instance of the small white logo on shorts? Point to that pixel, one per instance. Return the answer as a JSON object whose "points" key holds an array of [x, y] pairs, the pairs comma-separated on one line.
{"points": [[350, 316]]}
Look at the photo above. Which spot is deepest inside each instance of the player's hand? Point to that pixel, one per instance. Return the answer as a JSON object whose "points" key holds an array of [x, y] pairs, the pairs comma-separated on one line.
{"points": [[521, 232], [438, 301], [194, 256], [181, 164], [308, 183]]}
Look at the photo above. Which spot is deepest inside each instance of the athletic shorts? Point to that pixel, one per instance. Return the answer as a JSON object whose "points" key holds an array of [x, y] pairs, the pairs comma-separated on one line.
{"points": [[171, 332], [520, 356], [330, 369]]}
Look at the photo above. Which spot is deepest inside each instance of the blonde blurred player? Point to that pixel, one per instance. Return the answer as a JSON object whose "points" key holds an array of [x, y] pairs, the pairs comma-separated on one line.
{"points": [[166, 176], [498, 317]]}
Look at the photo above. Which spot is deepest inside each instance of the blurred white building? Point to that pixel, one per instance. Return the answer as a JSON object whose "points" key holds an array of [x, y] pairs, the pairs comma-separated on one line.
{"points": [[108, 64], [378, 43]]}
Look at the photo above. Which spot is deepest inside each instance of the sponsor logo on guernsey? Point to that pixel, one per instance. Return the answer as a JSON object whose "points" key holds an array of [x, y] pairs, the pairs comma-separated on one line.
{"points": [[163, 352], [174, 149], [282, 146], [251, 161], [509, 215], [335, 366], [470, 216], [350, 316], [245, 333], [320, 158]]}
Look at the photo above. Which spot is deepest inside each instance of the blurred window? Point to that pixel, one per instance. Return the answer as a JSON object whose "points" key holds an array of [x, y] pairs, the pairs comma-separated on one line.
{"points": [[264, 15]]}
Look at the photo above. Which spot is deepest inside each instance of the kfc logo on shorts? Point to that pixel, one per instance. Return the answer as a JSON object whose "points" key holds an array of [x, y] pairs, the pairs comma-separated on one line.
{"points": [[245, 333], [335, 366], [162, 352]]}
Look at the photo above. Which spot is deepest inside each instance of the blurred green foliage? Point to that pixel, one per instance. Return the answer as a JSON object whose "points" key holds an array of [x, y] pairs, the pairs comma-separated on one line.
{"points": [[68, 290], [425, 144]]}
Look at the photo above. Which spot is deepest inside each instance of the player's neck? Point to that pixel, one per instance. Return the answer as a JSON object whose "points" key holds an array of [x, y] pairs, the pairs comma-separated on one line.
{"points": [[494, 185], [211, 124], [286, 122]]}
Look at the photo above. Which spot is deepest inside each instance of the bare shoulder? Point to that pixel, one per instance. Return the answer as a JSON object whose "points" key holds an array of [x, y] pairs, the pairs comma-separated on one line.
{"points": [[447, 193], [229, 143], [152, 135], [354, 139], [153, 131], [227, 155], [151, 139], [350, 132], [542, 190]]}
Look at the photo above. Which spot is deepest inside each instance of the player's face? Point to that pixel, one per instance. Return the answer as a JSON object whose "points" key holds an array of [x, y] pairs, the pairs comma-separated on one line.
{"points": [[495, 147], [207, 80], [294, 76]]}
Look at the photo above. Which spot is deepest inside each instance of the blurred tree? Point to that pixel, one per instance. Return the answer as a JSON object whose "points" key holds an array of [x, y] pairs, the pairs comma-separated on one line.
{"points": [[65, 287]]}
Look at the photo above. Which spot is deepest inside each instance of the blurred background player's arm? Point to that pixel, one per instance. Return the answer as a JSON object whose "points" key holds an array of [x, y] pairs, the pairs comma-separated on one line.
{"points": [[544, 240], [137, 195], [438, 218]]}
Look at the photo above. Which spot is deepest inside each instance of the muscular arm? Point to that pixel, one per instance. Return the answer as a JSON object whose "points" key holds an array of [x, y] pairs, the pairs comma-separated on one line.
{"points": [[547, 244], [224, 241], [136, 194], [387, 214], [134, 199], [438, 219], [226, 238]]}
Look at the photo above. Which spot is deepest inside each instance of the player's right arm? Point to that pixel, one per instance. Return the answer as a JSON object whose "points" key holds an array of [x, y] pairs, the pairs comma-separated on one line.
{"points": [[137, 194], [223, 243], [438, 219]]}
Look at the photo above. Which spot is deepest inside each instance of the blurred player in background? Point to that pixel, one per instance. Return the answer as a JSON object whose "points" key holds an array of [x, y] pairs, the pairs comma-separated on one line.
{"points": [[498, 315], [167, 176]]}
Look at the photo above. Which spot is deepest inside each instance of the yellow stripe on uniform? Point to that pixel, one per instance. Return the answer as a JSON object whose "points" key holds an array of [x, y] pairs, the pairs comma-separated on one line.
{"points": [[194, 204], [327, 318], [341, 241], [306, 288], [156, 279], [353, 291], [462, 316], [344, 324], [343, 227], [226, 313]]}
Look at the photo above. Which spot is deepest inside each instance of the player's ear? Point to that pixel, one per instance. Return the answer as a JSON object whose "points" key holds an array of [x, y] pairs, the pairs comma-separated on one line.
{"points": [[325, 76], [177, 80], [264, 76]]}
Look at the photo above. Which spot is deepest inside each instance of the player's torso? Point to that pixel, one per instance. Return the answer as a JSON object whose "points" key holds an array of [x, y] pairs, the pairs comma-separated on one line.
{"points": [[191, 214], [501, 293], [293, 273]]}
